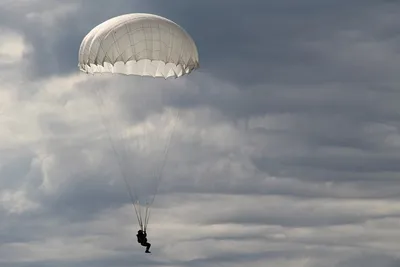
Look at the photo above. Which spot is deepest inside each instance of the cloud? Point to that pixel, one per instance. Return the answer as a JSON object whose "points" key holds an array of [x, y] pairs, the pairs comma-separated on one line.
{"points": [[284, 152], [370, 260]]}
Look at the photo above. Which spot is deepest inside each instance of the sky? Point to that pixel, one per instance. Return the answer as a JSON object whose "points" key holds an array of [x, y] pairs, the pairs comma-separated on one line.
{"points": [[285, 150]]}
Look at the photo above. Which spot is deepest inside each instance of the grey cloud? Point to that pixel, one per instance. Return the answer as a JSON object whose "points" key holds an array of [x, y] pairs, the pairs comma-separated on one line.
{"points": [[117, 261], [323, 75], [248, 258], [218, 36], [53, 46], [370, 260], [299, 219]]}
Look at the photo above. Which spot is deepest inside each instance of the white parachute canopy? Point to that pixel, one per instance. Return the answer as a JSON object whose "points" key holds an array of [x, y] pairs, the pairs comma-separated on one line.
{"points": [[138, 44], [144, 45]]}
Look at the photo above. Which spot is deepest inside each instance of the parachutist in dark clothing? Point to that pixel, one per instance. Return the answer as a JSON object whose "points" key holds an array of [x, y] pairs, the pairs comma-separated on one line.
{"points": [[142, 240]]}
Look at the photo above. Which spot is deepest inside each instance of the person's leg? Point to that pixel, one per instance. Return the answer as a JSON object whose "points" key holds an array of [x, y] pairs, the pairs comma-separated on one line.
{"points": [[148, 245]]}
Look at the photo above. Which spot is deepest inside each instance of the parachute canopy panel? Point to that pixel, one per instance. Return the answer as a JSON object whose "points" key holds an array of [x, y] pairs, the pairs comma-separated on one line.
{"points": [[138, 44]]}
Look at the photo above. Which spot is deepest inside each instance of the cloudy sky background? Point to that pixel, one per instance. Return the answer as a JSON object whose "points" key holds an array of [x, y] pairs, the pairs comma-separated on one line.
{"points": [[286, 152]]}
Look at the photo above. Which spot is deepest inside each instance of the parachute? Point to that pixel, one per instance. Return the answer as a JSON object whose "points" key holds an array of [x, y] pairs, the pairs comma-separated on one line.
{"points": [[141, 45], [138, 44]]}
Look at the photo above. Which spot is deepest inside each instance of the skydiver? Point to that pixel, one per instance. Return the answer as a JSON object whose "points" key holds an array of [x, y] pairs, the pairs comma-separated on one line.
{"points": [[142, 240]]}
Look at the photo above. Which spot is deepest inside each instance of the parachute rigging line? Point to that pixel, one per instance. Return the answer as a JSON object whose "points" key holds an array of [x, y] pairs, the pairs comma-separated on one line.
{"points": [[134, 200], [158, 174]]}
